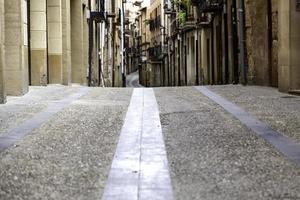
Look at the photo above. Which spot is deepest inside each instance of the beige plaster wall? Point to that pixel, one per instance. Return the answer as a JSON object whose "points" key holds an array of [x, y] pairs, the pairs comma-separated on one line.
{"points": [[38, 31], [16, 56], [2, 61], [55, 62]]}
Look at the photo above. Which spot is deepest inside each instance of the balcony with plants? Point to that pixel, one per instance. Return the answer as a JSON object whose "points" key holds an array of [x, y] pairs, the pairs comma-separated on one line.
{"points": [[185, 14], [208, 6]]}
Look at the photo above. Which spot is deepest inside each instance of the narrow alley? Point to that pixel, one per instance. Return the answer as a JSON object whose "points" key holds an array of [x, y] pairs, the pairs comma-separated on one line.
{"points": [[149, 100], [183, 143]]}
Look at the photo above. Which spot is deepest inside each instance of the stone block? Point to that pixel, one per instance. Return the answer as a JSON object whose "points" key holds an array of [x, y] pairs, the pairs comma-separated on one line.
{"points": [[15, 83], [38, 40], [39, 67], [55, 68], [38, 21], [38, 5], [54, 3], [54, 30], [54, 14]]}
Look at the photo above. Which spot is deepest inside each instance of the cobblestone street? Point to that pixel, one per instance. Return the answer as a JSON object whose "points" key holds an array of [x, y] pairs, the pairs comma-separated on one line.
{"points": [[61, 142]]}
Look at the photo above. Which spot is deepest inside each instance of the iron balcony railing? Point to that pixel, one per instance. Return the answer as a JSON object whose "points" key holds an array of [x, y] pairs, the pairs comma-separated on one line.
{"points": [[155, 53], [206, 6], [155, 23]]}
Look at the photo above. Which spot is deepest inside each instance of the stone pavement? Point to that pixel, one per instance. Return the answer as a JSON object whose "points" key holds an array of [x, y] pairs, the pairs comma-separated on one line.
{"points": [[209, 153], [132, 80]]}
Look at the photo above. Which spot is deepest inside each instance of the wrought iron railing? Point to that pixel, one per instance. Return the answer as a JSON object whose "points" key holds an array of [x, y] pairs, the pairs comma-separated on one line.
{"points": [[208, 5], [155, 53]]}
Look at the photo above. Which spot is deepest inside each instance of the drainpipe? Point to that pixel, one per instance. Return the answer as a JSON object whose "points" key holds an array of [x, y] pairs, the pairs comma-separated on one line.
{"points": [[90, 44], [234, 42], [225, 49], [122, 44], [212, 67], [197, 56], [243, 67], [29, 41]]}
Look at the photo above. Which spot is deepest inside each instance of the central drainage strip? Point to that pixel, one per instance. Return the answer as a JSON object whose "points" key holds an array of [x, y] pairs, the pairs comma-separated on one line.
{"points": [[140, 168]]}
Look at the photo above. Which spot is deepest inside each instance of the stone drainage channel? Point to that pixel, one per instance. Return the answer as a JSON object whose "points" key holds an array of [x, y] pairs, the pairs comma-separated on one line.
{"points": [[140, 168]]}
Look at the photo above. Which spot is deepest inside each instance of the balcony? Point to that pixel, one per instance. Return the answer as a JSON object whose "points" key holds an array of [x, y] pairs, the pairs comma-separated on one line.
{"points": [[155, 23], [169, 7], [208, 6], [155, 53], [98, 16]]}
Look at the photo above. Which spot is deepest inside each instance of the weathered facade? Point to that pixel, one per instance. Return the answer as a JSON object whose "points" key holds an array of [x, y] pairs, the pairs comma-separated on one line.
{"points": [[262, 42], [48, 42], [113, 72], [289, 46], [142, 44], [196, 42]]}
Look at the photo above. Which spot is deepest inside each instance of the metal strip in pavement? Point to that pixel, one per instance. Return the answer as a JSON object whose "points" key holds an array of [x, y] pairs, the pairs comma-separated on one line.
{"points": [[38, 119], [139, 170], [282, 143]]}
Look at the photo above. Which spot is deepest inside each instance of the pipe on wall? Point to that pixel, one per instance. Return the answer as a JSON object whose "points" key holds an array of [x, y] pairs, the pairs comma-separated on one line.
{"points": [[243, 57], [90, 44], [225, 48]]}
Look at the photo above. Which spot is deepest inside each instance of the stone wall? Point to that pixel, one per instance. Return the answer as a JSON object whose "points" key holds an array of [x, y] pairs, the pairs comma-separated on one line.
{"points": [[274, 69], [78, 67], [288, 46], [257, 42], [16, 47], [262, 42]]}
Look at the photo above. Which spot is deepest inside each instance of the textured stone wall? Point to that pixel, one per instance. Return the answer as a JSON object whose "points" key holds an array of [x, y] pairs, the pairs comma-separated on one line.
{"points": [[288, 46], [257, 41], [262, 44], [16, 49], [78, 67], [274, 70]]}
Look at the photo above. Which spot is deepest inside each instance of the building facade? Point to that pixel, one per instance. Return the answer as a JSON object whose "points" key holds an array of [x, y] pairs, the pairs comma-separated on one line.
{"points": [[48, 42], [195, 42]]}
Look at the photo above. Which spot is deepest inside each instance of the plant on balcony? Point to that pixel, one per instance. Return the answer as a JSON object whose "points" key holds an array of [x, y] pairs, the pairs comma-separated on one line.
{"points": [[182, 4], [182, 17], [147, 21]]}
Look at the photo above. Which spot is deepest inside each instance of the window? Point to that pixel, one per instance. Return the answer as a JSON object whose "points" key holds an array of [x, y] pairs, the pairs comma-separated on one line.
{"points": [[298, 5]]}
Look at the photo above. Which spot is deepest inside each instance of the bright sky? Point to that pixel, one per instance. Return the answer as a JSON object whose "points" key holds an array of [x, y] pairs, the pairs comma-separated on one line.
{"points": [[146, 3]]}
